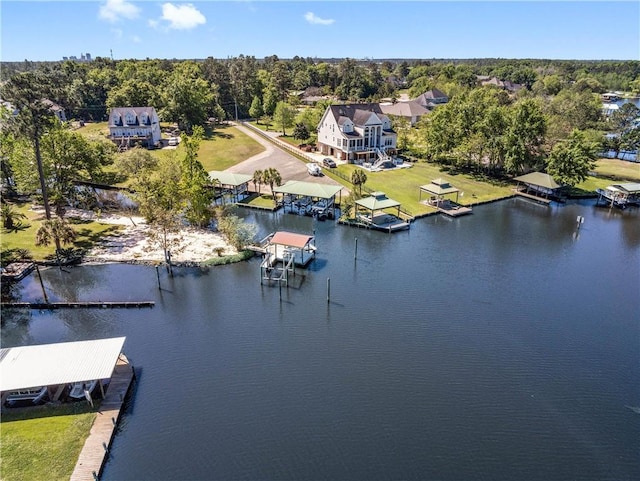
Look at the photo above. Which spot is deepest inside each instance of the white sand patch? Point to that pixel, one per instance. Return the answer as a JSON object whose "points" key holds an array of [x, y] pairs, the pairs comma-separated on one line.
{"points": [[132, 242]]}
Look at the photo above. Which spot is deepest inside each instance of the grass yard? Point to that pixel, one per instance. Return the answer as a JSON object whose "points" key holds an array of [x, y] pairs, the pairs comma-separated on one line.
{"points": [[24, 237], [403, 185], [615, 169], [259, 200], [42, 442]]}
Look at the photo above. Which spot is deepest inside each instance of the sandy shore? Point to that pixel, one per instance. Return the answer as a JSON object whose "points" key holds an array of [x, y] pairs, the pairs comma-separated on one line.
{"points": [[132, 243]]}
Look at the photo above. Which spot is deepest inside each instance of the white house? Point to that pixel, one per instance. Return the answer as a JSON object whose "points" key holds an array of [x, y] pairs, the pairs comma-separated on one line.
{"points": [[129, 126], [356, 133]]}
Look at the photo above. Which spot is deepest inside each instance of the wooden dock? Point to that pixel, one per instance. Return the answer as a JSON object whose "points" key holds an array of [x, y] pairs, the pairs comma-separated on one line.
{"points": [[535, 198], [72, 305], [96, 447]]}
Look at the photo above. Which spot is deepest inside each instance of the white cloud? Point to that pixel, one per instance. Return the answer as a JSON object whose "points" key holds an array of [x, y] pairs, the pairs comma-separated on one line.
{"points": [[182, 17], [114, 10], [314, 19]]}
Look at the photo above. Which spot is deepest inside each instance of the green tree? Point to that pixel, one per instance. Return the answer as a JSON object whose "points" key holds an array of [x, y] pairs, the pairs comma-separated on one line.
{"points": [[195, 181], [257, 179], [55, 230], [525, 136], [272, 177], [256, 110], [236, 231], [283, 116], [188, 98], [358, 179], [300, 132], [572, 159]]}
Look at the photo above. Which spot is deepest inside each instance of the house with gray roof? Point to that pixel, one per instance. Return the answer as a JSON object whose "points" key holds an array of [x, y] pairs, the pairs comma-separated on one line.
{"points": [[129, 126], [411, 110], [431, 98], [356, 133]]}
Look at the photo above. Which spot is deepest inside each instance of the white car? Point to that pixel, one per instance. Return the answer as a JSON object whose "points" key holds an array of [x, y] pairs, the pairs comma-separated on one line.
{"points": [[314, 169]]}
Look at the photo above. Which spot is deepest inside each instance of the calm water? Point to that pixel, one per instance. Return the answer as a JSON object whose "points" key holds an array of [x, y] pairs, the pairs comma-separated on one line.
{"points": [[500, 346]]}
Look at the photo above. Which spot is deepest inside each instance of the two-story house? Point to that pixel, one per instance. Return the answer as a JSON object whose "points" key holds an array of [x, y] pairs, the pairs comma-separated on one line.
{"points": [[431, 98], [129, 126], [356, 133]]}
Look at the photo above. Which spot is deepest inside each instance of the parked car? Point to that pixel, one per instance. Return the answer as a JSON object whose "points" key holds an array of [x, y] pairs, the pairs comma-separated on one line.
{"points": [[327, 162], [314, 169]]}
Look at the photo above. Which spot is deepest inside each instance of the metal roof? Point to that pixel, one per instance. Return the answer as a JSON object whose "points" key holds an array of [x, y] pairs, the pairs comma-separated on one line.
{"points": [[309, 189], [631, 188], [290, 239], [230, 178], [377, 201], [538, 178], [62, 363], [439, 187]]}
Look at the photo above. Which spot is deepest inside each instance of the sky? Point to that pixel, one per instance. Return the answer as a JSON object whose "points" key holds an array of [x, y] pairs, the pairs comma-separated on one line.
{"points": [[582, 30]]}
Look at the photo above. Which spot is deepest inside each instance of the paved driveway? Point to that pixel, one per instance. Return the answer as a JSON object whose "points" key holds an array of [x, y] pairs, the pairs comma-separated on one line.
{"points": [[290, 168]]}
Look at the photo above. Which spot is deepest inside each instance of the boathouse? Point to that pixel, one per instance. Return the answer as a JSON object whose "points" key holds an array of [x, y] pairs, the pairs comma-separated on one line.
{"points": [[56, 366], [438, 190], [308, 198], [231, 185], [282, 252], [537, 186], [373, 212], [620, 195]]}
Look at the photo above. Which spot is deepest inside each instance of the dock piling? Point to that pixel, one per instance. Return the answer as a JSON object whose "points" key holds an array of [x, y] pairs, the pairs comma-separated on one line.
{"points": [[355, 255], [328, 289]]}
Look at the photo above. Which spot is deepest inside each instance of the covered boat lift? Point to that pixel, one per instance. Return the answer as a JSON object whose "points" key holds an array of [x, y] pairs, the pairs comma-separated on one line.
{"points": [[282, 251], [58, 365], [538, 186], [372, 212], [236, 186], [438, 189], [308, 198], [620, 195]]}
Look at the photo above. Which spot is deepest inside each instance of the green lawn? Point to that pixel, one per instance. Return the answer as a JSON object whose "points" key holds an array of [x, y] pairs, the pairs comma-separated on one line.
{"points": [[618, 169], [403, 185], [43, 443], [24, 237]]}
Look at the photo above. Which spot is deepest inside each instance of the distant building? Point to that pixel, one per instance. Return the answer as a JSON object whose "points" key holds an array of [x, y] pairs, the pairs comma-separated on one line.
{"points": [[129, 126], [84, 57], [411, 110], [431, 98], [507, 85]]}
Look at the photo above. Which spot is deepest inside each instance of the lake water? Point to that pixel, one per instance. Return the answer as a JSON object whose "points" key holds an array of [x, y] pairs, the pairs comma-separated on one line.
{"points": [[504, 345]]}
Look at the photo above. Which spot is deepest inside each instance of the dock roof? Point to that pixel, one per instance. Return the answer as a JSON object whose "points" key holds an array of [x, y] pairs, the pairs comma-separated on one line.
{"points": [[538, 178], [290, 239], [630, 188], [309, 189], [62, 363], [230, 178], [439, 187], [377, 201]]}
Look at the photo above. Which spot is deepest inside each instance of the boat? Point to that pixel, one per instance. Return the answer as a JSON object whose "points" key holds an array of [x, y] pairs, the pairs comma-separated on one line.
{"points": [[620, 195], [33, 395], [78, 389]]}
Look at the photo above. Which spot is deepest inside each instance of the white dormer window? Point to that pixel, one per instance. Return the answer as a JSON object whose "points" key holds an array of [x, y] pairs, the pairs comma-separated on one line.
{"points": [[144, 119], [130, 118]]}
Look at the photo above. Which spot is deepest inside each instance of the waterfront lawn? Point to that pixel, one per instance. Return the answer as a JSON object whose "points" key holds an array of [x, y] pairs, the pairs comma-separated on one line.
{"points": [[615, 169], [43, 442], [259, 200], [13, 242], [403, 185]]}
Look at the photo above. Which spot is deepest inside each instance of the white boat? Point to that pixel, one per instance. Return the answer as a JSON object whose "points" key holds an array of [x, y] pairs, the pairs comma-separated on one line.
{"points": [[78, 389], [34, 395]]}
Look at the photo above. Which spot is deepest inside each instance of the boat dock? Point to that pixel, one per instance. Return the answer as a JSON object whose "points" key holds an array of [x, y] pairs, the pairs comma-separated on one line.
{"points": [[535, 198], [96, 447]]}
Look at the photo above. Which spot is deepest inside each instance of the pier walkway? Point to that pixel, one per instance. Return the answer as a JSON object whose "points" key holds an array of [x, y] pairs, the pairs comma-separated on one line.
{"points": [[96, 447]]}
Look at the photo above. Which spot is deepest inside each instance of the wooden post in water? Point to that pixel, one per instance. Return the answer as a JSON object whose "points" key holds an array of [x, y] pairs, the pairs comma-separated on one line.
{"points": [[158, 276], [328, 289], [44, 293], [355, 255]]}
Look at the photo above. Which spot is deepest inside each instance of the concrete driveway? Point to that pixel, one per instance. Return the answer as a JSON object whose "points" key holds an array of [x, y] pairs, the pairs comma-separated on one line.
{"points": [[290, 168]]}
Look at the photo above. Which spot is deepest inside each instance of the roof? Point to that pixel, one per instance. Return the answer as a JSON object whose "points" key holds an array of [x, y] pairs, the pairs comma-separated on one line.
{"points": [[538, 178], [290, 239], [309, 189], [357, 113], [230, 178], [439, 187], [118, 112], [61, 363], [404, 109], [631, 188], [377, 201]]}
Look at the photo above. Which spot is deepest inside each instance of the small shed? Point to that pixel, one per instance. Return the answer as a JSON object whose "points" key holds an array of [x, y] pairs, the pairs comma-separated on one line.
{"points": [[229, 183], [538, 186]]}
